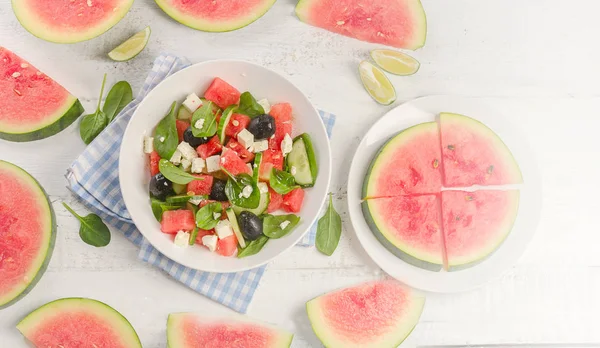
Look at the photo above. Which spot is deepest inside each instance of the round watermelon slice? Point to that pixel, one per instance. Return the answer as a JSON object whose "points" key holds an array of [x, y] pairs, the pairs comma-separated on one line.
{"points": [[375, 314], [27, 233], [215, 16], [78, 322], [474, 155], [409, 227], [69, 21], [33, 105], [398, 23], [408, 163], [189, 330], [476, 223]]}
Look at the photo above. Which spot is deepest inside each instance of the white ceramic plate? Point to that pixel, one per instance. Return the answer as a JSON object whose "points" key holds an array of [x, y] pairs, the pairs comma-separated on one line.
{"points": [[134, 175], [425, 110]]}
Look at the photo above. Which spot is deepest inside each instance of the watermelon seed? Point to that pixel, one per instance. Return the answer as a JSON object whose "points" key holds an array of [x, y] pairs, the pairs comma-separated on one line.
{"points": [[468, 198], [340, 22], [457, 218], [18, 93], [451, 147], [490, 169], [436, 163]]}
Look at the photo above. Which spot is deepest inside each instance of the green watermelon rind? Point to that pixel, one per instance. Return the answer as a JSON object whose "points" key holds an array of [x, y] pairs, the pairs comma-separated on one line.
{"points": [[74, 109], [218, 26], [35, 25], [50, 309], [4, 303]]}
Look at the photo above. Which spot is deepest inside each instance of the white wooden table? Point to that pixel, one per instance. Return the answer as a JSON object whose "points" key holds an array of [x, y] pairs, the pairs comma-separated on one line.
{"points": [[540, 58]]}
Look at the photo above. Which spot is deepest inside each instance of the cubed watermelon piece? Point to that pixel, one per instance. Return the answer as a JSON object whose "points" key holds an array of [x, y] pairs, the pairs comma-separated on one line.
{"points": [[232, 163], [174, 221], [236, 124], [181, 127], [212, 147], [201, 187], [202, 233], [281, 129], [282, 112], [227, 246], [275, 202], [292, 202], [154, 159], [222, 93], [270, 159], [241, 151]]}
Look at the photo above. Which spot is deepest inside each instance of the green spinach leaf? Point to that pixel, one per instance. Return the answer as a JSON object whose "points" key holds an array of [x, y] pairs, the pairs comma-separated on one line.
{"points": [[234, 190], [92, 124], [282, 182], [253, 247], [165, 136], [248, 106], [329, 230], [175, 174], [118, 97], [159, 207], [205, 218], [93, 231], [272, 225], [206, 116]]}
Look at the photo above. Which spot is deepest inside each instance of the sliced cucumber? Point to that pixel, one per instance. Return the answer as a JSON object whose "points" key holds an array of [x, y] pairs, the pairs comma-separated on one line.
{"points": [[301, 162], [223, 124], [183, 198], [265, 198], [184, 114], [256, 166], [179, 189], [235, 227]]}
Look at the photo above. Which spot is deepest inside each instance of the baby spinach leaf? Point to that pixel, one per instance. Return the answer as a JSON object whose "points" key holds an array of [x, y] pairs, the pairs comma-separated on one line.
{"points": [[329, 230], [249, 106], [282, 182], [205, 217], [175, 174], [93, 231], [159, 207], [165, 136], [92, 124], [253, 247], [272, 225], [118, 97], [206, 115], [234, 190]]}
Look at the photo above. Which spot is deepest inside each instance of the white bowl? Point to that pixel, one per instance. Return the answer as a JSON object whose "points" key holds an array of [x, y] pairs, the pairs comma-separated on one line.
{"points": [[262, 83]]}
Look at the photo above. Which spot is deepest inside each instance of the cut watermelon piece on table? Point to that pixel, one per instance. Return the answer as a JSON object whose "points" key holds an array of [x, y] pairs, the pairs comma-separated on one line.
{"points": [[474, 155], [398, 23], [237, 123], [211, 148], [233, 164], [409, 227], [78, 322], [240, 150], [292, 202], [270, 159], [201, 187], [383, 314], [33, 105], [185, 330], [174, 221], [222, 93], [476, 223], [69, 21]]}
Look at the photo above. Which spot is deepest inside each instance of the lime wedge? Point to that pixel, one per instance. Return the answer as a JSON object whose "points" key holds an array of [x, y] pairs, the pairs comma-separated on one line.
{"points": [[376, 83], [395, 62], [132, 47]]}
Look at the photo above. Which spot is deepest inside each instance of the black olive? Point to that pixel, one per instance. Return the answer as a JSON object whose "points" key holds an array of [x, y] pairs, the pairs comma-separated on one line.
{"points": [[262, 127], [161, 187], [188, 137], [217, 193], [250, 225]]}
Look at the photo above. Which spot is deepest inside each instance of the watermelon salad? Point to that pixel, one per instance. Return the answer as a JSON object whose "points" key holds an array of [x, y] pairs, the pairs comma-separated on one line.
{"points": [[222, 164]]}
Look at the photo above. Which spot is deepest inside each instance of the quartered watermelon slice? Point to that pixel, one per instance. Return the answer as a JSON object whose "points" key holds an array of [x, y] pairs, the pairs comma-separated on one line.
{"points": [[33, 105], [374, 314], [189, 330], [27, 233], [69, 21], [398, 23], [78, 322]]}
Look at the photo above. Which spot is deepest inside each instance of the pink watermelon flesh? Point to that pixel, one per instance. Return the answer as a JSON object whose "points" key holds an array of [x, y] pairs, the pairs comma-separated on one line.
{"points": [[476, 223], [374, 314], [408, 226], [474, 155], [408, 163], [398, 23], [188, 330], [27, 233]]}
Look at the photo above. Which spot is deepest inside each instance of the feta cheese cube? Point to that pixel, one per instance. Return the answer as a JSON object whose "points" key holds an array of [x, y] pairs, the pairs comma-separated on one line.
{"points": [[261, 145], [182, 239], [210, 241], [265, 104], [247, 191], [199, 124], [286, 145], [198, 165], [223, 229], [148, 144], [293, 170], [284, 224], [262, 187], [192, 102], [187, 151], [186, 164], [216, 216], [195, 201], [176, 158], [213, 163], [245, 138]]}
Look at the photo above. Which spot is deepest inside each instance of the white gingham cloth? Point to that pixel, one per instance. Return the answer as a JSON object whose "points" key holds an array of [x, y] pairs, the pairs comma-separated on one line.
{"points": [[93, 178]]}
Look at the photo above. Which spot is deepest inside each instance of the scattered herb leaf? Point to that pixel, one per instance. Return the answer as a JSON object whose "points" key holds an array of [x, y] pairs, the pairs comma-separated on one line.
{"points": [[93, 231], [175, 174], [118, 97], [272, 225], [209, 125], [282, 182], [249, 106], [253, 247], [165, 136], [92, 124], [329, 230], [234, 191], [205, 217]]}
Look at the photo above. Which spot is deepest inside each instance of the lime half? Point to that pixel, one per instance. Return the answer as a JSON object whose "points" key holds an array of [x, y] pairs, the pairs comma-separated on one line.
{"points": [[395, 62], [132, 47], [376, 83]]}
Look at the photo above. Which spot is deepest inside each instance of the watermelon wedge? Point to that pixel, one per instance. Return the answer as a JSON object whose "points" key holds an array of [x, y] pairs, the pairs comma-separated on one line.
{"points": [[476, 223], [78, 322], [33, 105], [474, 155], [398, 23], [69, 21], [215, 16], [408, 163], [375, 314], [27, 233], [409, 227], [189, 330]]}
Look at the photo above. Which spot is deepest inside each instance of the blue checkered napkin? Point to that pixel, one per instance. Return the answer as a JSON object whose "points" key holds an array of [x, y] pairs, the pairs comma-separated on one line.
{"points": [[93, 177]]}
